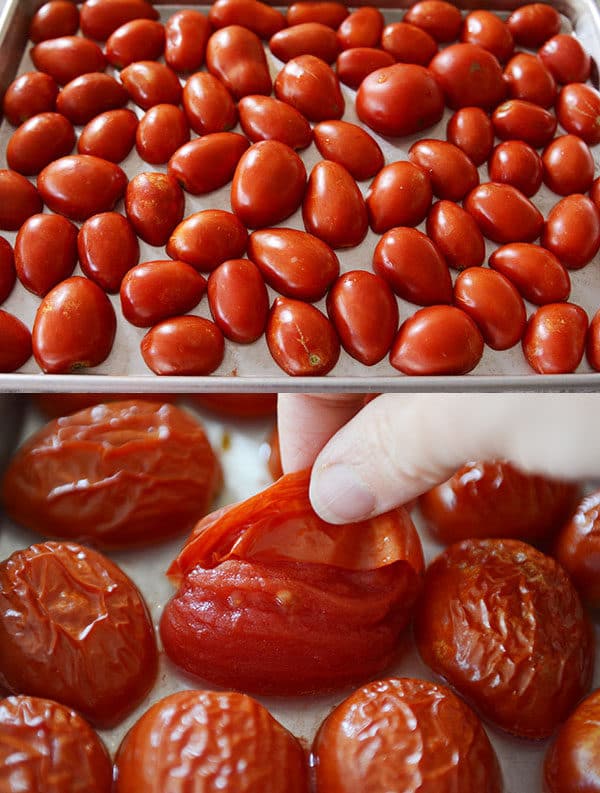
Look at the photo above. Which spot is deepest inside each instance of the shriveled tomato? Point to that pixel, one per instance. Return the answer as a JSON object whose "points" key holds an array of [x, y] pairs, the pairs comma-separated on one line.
{"points": [[286, 574], [238, 300], [503, 213], [110, 135], [554, 339], [19, 200], [202, 732], [88, 95], [108, 248], [45, 252], [28, 95], [208, 104], [535, 271], [362, 28], [38, 141], [187, 33], [494, 499], [310, 86], [568, 165], [333, 208], [472, 592], [451, 172], [235, 55], [261, 18], [207, 163], [183, 346], [8, 275], [471, 130], [533, 24], [308, 38], [161, 131], [301, 340], [527, 78], [578, 548], [16, 342], [488, 31], [241, 406], [408, 43], [98, 655], [74, 327], [440, 19], [138, 40], [400, 195], [327, 12], [578, 111], [437, 340], [67, 57], [364, 312], [154, 203], [207, 238], [456, 235], [100, 18], [150, 83], [469, 76], [593, 342], [353, 65], [266, 118], [572, 762], [350, 146], [45, 746], [153, 291], [54, 19], [371, 738], [566, 59], [518, 119], [515, 162], [572, 231]]}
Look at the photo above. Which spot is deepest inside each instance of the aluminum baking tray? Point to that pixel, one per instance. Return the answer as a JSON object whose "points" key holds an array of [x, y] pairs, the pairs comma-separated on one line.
{"points": [[250, 367], [241, 447]]}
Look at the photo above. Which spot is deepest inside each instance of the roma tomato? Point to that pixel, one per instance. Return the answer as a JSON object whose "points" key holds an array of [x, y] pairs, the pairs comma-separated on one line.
{"points": [[68, 57], [437, 340], [16, 342], [74, 327], [362, 28], [350, 146], [535, 271], [364, 312], [469, 76], [503, 213], [110, 135], [207, 238], [87, 96], [138, 40], [8, 275], [488, 31], [208, 104], [568, 165], [521, 120], [327, 12], [578, 111], [308, 38], [100, 18], [54, 19], [593, 343], [73, 755], [577, 548], [471, 592], [187, 33], [440, 19], [471, 130], [99, 655], [45, 252], [572, 761], [451, 172], [400, 100], [19, 200], [310, 86], [28, 95], [154, 203], [238, 299], [183, 346], [370, 738], [456, 235], [494, 499], [260, 18], [149, 83], [301, 340], [527, 78], [294, 263], [268, 184], [353, 65], [572, 231], [207, 163], [554, 339], [199, 732], [153, 291], [516, 163], [108, 248], [408, 43], [334, 209], [533, 24], [411, 264], [235, 55], [38, 141], [400, 195], [565, 59], [266, 118], [161, 131]]}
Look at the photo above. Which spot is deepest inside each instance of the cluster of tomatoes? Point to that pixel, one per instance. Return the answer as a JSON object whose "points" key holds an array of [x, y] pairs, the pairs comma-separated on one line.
{"points": [[404, 76]]}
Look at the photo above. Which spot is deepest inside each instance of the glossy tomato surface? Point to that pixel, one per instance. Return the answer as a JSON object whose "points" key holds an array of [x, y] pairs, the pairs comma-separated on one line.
{"points": [[111, 135], [577, 548], [236, 56], [156, 290], [137, 40], [16, 342], [208, 238], [566, 59], [28, 95], [38, 141], [469, 76], [8, 275], [67, 57], [572, 231], [18, 200], [150, 83], [86, 96], [267, 118], [208, 162], [518, 119], [568, 165], [45, 252], [187, 33], [536, 272], [451, 172], [440, 19], [108, 248], [471, 130], [262, 19], [515, 162], [161, 131], [353, 65], [350, 146], [307, 38], [554, 339], [503, 213], [456, 235], [489, 31], [99, 18], [309, 85], [208, 104], [154, 203], [578, 109], [362, 28], [333, 208], [533, 24], [527, 78], [238, 299], [400, 195], [573, 762], [185, 345], [54, 19], [408, 43]]}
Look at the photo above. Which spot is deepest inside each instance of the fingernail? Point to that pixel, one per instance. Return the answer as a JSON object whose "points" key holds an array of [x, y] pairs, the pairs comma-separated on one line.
{"points": [[339, 495]]}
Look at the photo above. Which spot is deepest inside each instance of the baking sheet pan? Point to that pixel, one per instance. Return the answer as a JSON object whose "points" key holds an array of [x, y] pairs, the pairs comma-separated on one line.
{"points": [[250, 367]]}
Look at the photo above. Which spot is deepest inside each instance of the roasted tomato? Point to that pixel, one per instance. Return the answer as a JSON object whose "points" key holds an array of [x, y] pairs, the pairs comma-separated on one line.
{"points": [[67, 57], [471, 129], [148, 472], [137, 40], [308, 38], [487, 30], [503, 213], [404, 734], [503, 624], [161, 131], [290, 604], [451, 172], [350, 146], [208, 238], [208, 104], [187, 33], [578, 549], [456, 235], [88, 95], [333, 208], [352, 66], [362, 28], [45, 252], [400, 195], [75, 629]]}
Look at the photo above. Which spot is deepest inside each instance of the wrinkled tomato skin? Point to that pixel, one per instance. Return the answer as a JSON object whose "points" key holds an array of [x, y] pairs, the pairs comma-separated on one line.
{"points": [[488, 31], [333, 208], [100, 18], [208, 104], [187, 33], [45, 252], [451, 172], [370, 739], [28, 95], [554, 339], [572, 231], [533, 24], [471, 130], [154, 203], [362, 28], [208, 238], [138, 40], [527, 78], [183, 346], [301, 340], [153, 291], [577, 549], [8, 275], [364, 312], [568, 165], [516, 163], [536, 272], [592, 350], [38, 141], [572, 762], [440, 19], [238, 299], [241, 406], [408, 43], [149, 83], [400, 195], [326, 12], [310, 86], [87, 96], [54, 19], [19, 200], [521, 120], [350, 146], [74, 327], [68, 57], [353, 65], [98, 656], [469, 76], [456, 235], [16, 342], [565, 59], [266, 118], [471, 592], [161, 131], [578, 111], [108, 248], [110, 136], [309, 38], [235, 55], [207, 163], [495, 499], [503, 213], [74, 757], [260, 18]]}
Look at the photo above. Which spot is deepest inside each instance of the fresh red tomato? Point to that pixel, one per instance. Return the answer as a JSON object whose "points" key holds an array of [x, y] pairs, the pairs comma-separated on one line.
{"points": [[577, 548], [74, 327], [38, 141], [308, 38], [400, 195], [161, 131], [521, 120], [202, 732], [408, 43], [568, 165], [187, 33], [362, 28], [451, 172], [350, 146], [207, 238], [578, 111], [353, 65], [19, 200], [437, 340], [239, 406], [469, 76], [593, 343], [138, 40], [238, 300], [334, 209], [98, 655], [572, 762], [57, 749], [364, 312], [554, 339], [110, 135], [260, 18], [208, 104], [16, 342], [100, 18], [412, 265], [456, 235], [440, 19], [471, 130], [154, 203], [87, 96], [572, 231], [327, 12], [527, 78], [68, 57], [293, 262], [236, 56], [183, 346], [488, 31], [533, 24], [536, 272], [8, 274], [54, 19], [207, 163], [301, 340], [310, 86], [565, 59], [150, 83], [108, 248], [45, 252], [370, 739], [503, 213], [28, 95], [515, 162], [153, 291], [266, 118]]}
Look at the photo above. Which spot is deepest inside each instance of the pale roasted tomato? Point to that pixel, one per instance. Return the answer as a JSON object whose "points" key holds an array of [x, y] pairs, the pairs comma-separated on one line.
{"points": [[577, 548], [573, 760]]}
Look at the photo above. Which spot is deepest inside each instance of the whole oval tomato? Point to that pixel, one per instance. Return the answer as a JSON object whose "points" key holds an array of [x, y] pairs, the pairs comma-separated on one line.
{"points": [[16, 342], [568, 165], [301, 340], [411, 264], [350, 146], [73, 755], [308, 38], [495, 499], [327, 12], [400, 195], [364, 312], [400, 100], [110, 135], [187, 33], [554, 339], [333, 208], [503, 213], [201, 732], [577, 548], [310, 86], [235, 55], [19, 200], [154, 203], [578, 111], [88, 95], [240, 406], [260, 18], [572, 231], [266, 118], [362, 28], [493, 303], [149, 83], [469, 76], [138, 40], [488, 31], [535, 271], [238, 299], [472, 592], [100, 18], [207, 163], [153, 291], [293, 262], [353, 65], [183, 346], [67, 57], [54, 19], [268, 184], [521, 120], [565, 59], [451, 172], [38, 141], [470, 128], [372, 737], [456, 235], [45, 252], [207, 238], [161, 131], [74, 327], [208, 104], [108, 248], [572, 761], [593, 343], [28, 95], [437, 340], [98, 655], [8, 274], [533, 24], [440, 19], [527, 78], [408, 43], [515, 162]]}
